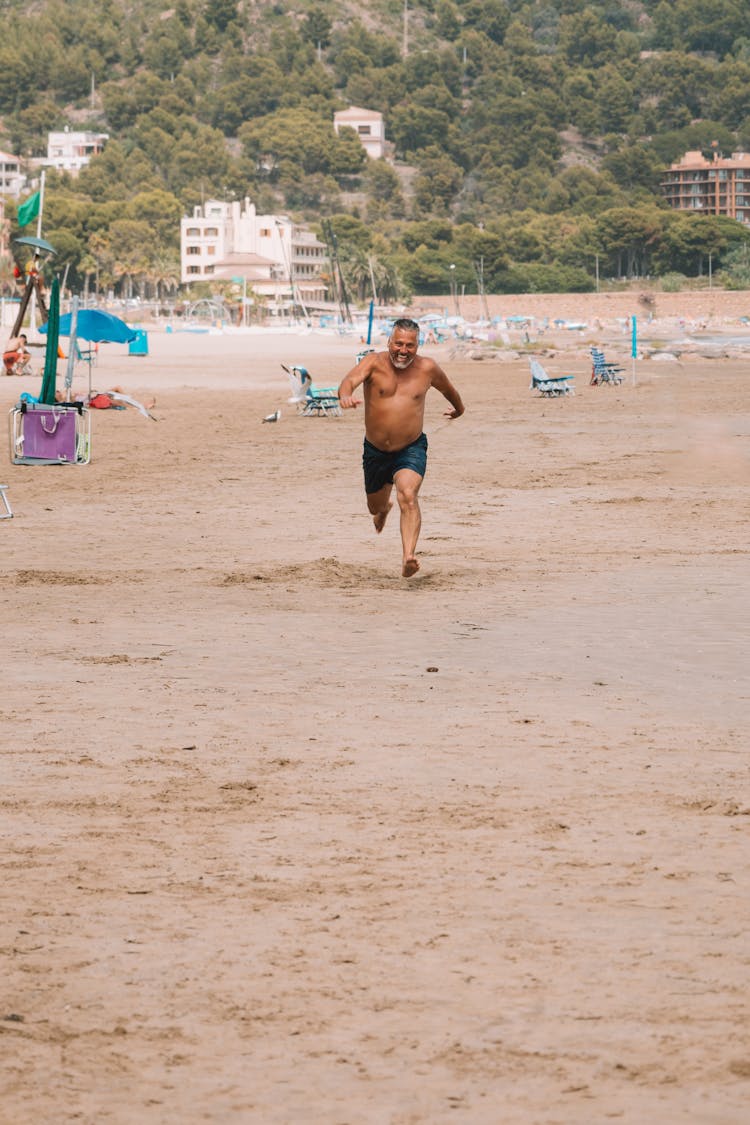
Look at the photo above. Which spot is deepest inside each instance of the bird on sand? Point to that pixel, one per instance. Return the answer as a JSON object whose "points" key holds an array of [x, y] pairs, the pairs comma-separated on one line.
{"points": [[273, 417]]}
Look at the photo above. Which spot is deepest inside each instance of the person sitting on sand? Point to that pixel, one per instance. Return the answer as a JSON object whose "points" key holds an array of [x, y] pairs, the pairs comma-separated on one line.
{"points": [[113, 399], [395, 384], [16, 355]]}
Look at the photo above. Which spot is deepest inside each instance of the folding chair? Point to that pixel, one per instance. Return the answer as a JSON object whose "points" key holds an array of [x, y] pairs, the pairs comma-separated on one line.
{"points": [[7, 514], [603, 372], [58, 434], [550, 386], [308, 398], [87, 355]]}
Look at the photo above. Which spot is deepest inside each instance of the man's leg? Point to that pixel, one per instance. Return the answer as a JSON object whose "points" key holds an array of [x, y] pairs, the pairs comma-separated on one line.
{"points": [[379, 505], [408, 484]]}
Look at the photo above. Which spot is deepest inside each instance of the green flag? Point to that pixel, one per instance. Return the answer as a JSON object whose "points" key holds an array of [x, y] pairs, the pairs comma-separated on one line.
{"points": [[28, 210]]}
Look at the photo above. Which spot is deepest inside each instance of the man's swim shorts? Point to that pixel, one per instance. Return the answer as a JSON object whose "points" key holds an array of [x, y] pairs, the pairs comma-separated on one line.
{"points": [[379, 467]]}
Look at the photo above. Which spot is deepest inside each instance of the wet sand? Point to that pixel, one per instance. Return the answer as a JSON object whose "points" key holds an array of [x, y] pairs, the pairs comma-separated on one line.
{"points": [[289, 838]]}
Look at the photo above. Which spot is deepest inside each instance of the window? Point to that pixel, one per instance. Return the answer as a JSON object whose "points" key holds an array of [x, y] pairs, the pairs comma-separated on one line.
{"points": [[211, 232], [193, 232], [363, 130], [209, 269], [193, 269], [210, 249], [193, 250], [265, 232]]}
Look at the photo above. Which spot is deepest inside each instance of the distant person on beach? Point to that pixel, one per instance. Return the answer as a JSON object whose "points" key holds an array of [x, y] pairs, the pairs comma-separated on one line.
{"points": [[16, 355], [395, 384]]}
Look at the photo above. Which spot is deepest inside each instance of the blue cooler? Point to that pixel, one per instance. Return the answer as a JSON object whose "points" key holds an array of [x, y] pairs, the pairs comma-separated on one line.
{"points": [[139, 346]]}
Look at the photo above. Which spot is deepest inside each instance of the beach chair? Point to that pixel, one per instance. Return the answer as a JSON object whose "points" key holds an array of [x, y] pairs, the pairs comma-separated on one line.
{"points": [[87, 355], [550, 386], [602, 371], [309, 399], [58, 434], [7, 512]]}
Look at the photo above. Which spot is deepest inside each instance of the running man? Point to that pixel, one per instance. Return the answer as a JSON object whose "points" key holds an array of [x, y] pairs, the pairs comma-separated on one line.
{"points": [[396, 383]]}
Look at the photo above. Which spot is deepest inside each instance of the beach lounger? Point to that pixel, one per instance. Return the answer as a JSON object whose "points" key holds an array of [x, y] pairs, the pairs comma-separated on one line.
{"points": [[602, 371], [550, 386], [7, 512], [309, 399]]}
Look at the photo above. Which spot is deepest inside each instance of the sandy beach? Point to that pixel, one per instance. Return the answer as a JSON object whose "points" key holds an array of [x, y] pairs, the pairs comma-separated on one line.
{"points": [[291, 839]]}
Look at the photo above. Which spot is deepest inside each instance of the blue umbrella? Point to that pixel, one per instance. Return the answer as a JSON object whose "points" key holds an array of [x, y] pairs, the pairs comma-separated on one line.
{"points": [[97, 326], [35, 243]]}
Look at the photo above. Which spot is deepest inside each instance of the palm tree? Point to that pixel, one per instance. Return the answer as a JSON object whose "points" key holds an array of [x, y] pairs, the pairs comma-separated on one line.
{"points": [[87, 266], [164, 272], [355, 266]]}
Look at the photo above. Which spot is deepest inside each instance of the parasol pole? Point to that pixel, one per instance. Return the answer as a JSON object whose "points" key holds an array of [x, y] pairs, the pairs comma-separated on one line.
{"points": [[634, 342], [32, 302], [72, 343]]}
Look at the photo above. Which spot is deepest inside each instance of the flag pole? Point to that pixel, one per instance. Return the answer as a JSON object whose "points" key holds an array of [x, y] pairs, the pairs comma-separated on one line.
{"points": [[35, 259], [41, 206]]}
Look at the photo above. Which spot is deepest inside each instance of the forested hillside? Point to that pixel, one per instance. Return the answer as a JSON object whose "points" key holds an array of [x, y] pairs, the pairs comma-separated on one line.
{"points": [[528, 136]]}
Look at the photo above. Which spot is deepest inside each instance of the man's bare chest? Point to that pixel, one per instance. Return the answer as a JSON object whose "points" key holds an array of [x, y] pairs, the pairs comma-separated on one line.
{"points": [[399, 389]]}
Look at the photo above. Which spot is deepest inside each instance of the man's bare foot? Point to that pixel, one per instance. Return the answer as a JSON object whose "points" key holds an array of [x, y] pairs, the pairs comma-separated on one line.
{"points": [[380, 518], [410, 567]]}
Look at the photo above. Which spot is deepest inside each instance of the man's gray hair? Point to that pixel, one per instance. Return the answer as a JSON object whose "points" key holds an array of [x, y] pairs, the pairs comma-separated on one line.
{"points": [[406, 323]]}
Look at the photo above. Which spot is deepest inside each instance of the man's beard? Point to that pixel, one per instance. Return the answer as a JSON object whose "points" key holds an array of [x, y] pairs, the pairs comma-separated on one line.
{"points": [[402, 363]]}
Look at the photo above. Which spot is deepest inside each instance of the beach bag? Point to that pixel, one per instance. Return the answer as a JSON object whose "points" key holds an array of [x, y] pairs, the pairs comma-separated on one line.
{"points": [[49, 432]]}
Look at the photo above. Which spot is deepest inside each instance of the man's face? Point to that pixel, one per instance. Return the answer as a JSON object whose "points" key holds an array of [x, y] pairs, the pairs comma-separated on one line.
{"points": [[402, 347]]}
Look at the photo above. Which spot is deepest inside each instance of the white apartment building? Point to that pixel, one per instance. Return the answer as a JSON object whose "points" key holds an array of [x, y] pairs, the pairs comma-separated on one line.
{"points": [[12, 179], [367, 124], [70, 151], [280, 260]]}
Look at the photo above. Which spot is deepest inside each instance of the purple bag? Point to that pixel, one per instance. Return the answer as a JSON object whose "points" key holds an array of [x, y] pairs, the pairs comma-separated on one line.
{"points": [[49, 433]]}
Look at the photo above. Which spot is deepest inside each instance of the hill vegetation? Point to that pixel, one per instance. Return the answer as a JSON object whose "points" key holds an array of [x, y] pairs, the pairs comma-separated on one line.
{"points": [[528, 136]]}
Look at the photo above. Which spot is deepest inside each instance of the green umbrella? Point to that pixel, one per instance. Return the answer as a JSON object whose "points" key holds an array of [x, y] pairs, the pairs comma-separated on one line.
{"points": [[49, 379]]}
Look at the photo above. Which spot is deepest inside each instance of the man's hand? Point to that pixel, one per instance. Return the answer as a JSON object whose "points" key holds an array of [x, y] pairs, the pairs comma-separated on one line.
{"points": [[349, 401], [455, 413]]}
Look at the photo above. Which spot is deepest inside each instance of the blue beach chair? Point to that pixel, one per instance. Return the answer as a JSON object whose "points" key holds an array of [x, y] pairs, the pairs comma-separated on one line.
{"points": [[549, 386], [309, 399], [602, 371]]}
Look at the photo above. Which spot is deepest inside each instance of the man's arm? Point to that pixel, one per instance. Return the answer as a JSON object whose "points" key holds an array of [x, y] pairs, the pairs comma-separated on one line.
{"points": [[442, 383], [354, 379]]}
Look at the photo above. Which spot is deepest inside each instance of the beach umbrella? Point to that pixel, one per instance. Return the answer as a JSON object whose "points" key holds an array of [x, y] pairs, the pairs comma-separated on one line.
{"points": [[49, 379], [36, 243], [96, 326]]}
